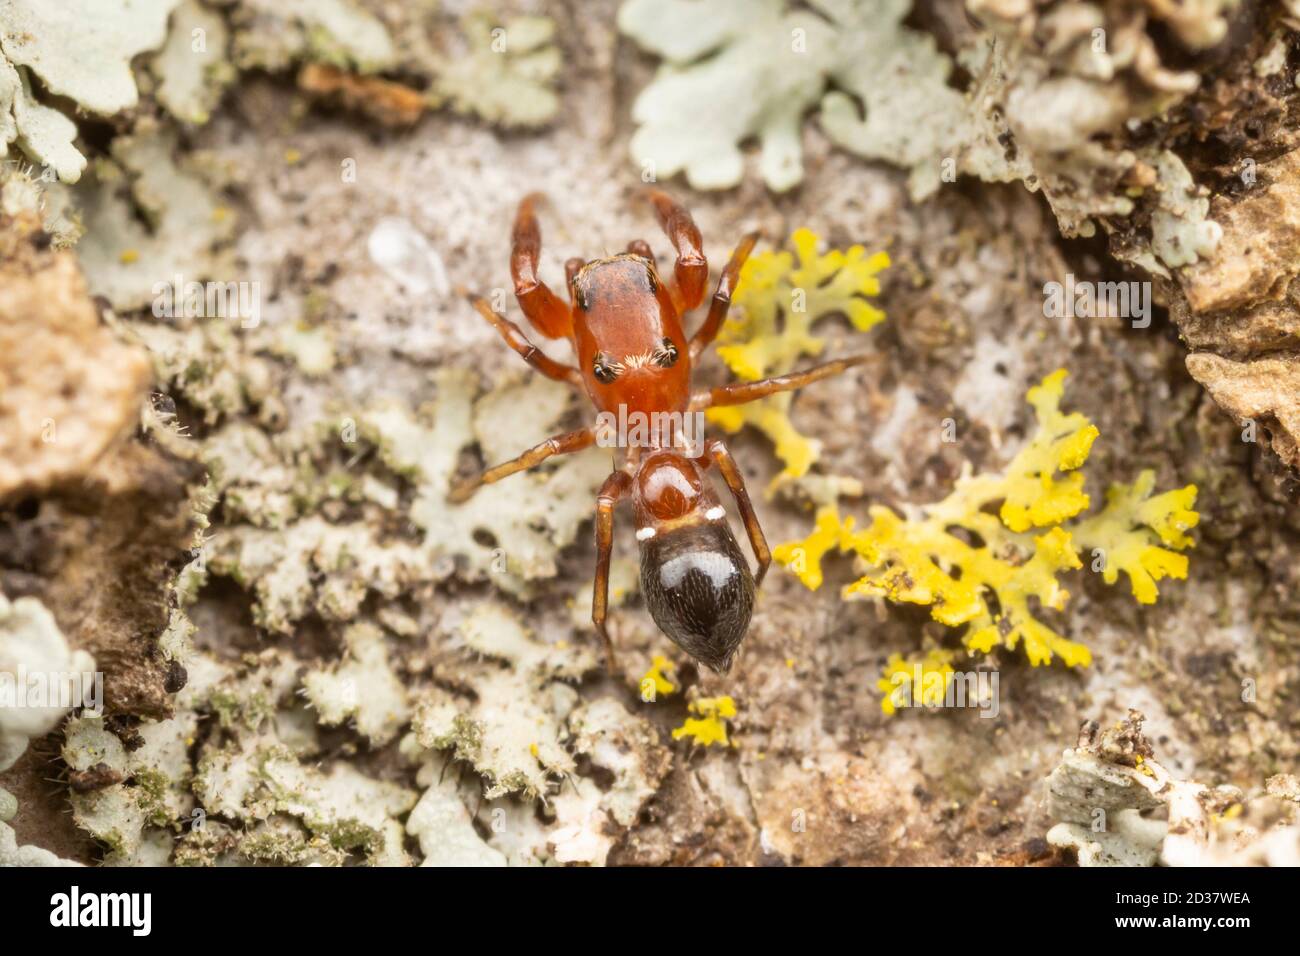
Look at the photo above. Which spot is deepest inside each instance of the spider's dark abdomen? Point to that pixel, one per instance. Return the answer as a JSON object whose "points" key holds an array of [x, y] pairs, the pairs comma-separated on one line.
{"points": [[699, 590]]}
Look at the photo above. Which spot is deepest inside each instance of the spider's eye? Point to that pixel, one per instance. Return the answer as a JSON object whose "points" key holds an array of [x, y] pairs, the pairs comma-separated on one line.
{"points": [[604, 372], [666, 354]]}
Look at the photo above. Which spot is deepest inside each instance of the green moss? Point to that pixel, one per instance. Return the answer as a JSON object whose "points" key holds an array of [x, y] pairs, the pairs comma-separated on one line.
{"points": [[152, 788]]}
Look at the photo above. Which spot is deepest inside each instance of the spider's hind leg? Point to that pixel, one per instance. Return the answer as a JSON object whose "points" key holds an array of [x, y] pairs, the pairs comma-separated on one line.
{"points": [[716, 451], [614, 488]]}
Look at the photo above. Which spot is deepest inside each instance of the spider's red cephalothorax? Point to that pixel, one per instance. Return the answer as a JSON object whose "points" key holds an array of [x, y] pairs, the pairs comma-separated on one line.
{"points": [[624, 322]]}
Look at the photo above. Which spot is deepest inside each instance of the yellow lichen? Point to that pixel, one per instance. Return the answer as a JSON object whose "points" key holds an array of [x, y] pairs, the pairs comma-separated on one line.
{"points": [[656, 679], [1127, 533], [974, 561], [917, 681], [804, 558], [710, 726], [1033, 494], [779, 297]]}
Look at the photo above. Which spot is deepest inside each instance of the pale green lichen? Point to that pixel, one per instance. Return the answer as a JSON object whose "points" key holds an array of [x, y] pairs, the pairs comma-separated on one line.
{"points": [[575, 824], [1181, 233], [516, 729], [699, 109], [892, 100], [273, 34], [152, 788], [313, 565], [512, 732], [279, 841], [508, 74], [1116, 805], [255, 793], [207, 362], [362, 687], [311, 348], [45, 135], [254, 475], [352, 811], [32, 644], [192, 67], [582, 833], [246, 697], [79, 49], [111, 813], [625, 745], [1042, 84], [510, 532], [82, 49], [752, 69], [187, 228], [257, 775], [443, 826]]}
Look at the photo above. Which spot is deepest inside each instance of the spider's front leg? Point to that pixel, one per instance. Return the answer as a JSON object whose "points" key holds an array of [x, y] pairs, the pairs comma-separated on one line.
{"points": [[530, 353], [639, 247], [691, 270], [548, 314], [722, 297]]}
